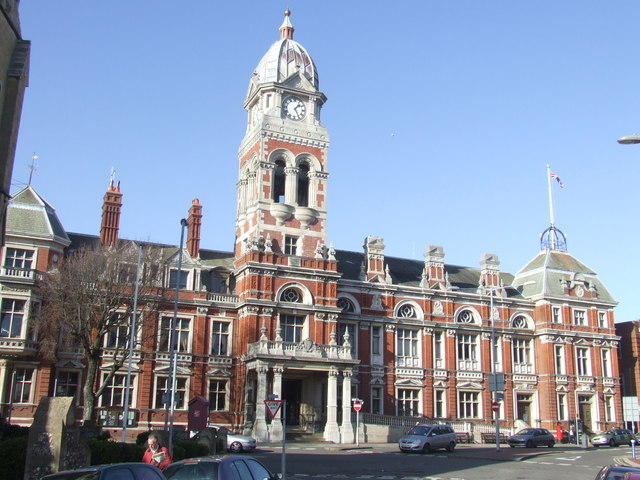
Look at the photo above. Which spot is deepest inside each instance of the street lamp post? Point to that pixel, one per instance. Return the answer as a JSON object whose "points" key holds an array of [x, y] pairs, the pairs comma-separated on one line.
{"points": [[493, 382], [173, 340]]}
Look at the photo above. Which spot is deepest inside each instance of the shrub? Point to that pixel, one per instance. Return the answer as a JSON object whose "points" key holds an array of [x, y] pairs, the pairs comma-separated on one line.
{"points": [[13, 455], [114, 452], [192, 449], [8, 430]]}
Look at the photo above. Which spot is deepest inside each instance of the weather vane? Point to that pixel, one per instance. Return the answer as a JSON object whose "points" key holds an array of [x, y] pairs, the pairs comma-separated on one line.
{"points": [[32, 167]]}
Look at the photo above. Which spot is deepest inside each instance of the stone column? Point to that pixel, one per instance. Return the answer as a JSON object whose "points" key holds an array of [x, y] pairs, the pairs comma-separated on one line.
{"points": [[275, 434], [346, 429], [4, 392], [260, 425], [331, 429], [291, 185]]}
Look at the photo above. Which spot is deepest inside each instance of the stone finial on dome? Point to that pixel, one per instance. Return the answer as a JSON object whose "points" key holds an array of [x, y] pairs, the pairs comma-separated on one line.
{"points": [[286, 29]]}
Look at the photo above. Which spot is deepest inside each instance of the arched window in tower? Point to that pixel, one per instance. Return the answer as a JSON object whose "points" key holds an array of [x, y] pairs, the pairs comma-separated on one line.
{"points": [[303, 185], [278, 182]]}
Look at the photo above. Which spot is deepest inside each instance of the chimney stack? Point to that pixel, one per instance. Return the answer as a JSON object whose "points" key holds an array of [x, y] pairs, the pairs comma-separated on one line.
{"points": [[193, 230], [111, 208]]}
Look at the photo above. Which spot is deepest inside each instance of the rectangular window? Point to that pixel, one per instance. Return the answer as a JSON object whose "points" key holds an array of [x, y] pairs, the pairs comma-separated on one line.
{"points": [[602, 319], [408, 402], [12, 318], [468, 404], [217, 395], [376, 400], [173, 278], [562, 406], [66, 384], [291, 327], [219, 338], [439, 404], [521, 351], [376, 340], [438, 349], [407, 348], [609, 415], [606, 363], [113, 394], [163, 392], [559, 356], [22, 385], [556, 315], [468, 352], [290, 245], [344, 328], [582, 360], [579, 317], [19, 258], [118, 335], [182, 343]]}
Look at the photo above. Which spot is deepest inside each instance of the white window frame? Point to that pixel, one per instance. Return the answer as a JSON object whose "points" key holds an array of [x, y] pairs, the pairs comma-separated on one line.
{"points": [[19, 258], [118, 383], [180, 330], [561, 399], [299, 328], [65, 392], [580, 317], [602, 319], [377, 350], [411, 398], [214, 406], [556, 314], [439, 403], [559, 359], [377, 399], [23, 388], [609, 409], [161, 383], [221, 335], [439, 349], [290, 246], [605, 355], [408, 347], [583, 361], [467, 351], [522, 351], [14, 314], [469, 404], [186, 275]]}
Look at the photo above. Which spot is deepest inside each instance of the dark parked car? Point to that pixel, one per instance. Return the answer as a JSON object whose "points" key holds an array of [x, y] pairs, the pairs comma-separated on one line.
{"points": [[532, 437], [425, 438], [618, 472], [231, 467], [115, 471]]}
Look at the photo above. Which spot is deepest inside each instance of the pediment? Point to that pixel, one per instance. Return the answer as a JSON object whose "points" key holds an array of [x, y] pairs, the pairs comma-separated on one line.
{"points": [[470, 385], [298, 82], [164, 370], [409, 382], [68, 363], [219, 372]]}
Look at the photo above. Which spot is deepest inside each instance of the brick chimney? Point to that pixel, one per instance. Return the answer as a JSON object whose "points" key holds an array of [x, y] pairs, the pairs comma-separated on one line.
{"points": [[111, 207], [193, 230]]}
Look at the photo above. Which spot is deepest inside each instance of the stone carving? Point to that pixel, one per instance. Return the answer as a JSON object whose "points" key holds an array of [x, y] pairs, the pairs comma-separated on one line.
{"points": [[438, 309], [376, 302]]}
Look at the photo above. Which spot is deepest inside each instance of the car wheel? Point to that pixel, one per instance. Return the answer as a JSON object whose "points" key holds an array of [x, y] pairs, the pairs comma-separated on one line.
{"points": [[235, 447], [426, 448], [612, 443], [529, 444], [451, 447], [512, 446], [550, 444]]}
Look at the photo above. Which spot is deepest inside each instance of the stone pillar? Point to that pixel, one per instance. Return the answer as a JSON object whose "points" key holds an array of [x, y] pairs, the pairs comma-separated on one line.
{"points": [[346, 429], [275, 434], [4, 392], [260, 425], [291, 185], [331, 429]]}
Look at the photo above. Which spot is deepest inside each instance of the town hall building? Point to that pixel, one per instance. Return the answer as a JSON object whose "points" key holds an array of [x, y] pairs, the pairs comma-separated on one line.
{"points": [[288, 314]]}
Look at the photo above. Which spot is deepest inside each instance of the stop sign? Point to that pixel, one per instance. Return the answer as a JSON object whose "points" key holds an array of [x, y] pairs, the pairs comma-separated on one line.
{"points": [[357, 406], [495, 406]]}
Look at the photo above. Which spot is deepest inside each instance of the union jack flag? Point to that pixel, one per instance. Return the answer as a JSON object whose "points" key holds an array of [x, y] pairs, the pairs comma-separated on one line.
{"points": [[557, 179]]}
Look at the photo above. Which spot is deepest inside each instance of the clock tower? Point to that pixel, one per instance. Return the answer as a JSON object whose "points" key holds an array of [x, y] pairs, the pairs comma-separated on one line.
{"points": [[283, 156]]}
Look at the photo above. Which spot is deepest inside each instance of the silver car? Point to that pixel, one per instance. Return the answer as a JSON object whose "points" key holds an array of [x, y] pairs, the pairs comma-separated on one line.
{"points": [[532, 437], [425, 438]]}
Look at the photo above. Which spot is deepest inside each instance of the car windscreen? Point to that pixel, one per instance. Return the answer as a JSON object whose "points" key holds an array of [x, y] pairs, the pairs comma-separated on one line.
{"points": [[192, 471], [84, 475], [526, 431], [418, 431]]}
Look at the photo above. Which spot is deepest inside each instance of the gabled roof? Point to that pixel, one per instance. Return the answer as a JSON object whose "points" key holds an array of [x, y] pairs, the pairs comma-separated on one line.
{"points": [[30, 215]]}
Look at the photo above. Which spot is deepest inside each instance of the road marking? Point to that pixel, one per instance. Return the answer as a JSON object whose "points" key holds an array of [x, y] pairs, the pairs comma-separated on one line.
{"points": [[570, 459]]}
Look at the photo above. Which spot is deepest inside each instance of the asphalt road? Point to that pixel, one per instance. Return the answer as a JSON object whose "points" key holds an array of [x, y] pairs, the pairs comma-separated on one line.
{"points": [[468, 462]]}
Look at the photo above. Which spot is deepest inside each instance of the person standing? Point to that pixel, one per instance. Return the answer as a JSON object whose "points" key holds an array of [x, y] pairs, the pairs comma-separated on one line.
{"points": [[572, 434], [559, 432], [156, 454]]}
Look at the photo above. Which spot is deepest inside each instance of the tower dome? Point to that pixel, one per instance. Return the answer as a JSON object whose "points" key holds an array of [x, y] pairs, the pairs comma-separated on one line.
{"points": [[285, 58]]}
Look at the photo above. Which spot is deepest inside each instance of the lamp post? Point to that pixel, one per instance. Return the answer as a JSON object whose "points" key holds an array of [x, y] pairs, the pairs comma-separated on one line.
{"points": [[493, 382], [173, 340]]}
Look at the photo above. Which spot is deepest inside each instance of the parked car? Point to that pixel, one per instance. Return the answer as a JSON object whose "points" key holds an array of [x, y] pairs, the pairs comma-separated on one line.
{"points": [[115, 471], [233, 442], [230, 467], [532, 437], [613, 437], [425, 438], [617, 472]]}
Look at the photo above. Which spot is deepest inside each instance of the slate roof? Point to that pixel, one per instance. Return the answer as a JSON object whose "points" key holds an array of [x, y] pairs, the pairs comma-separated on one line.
{"points": [[30, 215]]}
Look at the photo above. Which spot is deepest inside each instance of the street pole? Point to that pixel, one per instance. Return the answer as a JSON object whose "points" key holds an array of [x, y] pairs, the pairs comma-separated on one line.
{"points": [[172, 350], [283, 416], [132, 342], [494, 393]]}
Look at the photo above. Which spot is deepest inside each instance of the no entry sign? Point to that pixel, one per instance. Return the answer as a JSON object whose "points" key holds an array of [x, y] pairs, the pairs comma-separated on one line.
{"points": [[495, 406], [357, 406]]}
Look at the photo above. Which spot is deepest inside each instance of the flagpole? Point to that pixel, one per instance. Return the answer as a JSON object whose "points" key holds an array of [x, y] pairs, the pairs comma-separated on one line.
{"points": [[553, 240]]}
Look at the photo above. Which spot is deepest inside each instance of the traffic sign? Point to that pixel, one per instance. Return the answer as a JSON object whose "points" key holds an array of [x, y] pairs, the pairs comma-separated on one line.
{"points": [[495, 406], [357, 406], [273, 406]]}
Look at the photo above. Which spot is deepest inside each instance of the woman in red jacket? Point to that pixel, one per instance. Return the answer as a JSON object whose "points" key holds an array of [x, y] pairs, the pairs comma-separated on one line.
{"points": [[156, 454]]}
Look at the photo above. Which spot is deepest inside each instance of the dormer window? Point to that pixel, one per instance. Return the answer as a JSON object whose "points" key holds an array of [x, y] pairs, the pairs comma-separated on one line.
{"points": [[174, 275]]}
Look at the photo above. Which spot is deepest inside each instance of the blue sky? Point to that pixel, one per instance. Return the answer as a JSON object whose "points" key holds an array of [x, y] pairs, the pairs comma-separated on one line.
{"points": [[442, 116]]}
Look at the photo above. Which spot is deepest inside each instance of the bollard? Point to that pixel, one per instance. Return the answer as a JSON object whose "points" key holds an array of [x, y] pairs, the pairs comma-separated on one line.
{"points": [[633, 448], [584, 439]]}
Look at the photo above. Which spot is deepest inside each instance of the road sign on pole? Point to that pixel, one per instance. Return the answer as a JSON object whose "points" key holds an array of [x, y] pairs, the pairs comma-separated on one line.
{"points": [[357, 406], [495, 406], [273, 406]]}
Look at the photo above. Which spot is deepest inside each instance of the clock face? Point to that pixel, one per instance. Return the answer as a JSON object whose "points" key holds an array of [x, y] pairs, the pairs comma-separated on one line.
{"points": [[294, 108]]}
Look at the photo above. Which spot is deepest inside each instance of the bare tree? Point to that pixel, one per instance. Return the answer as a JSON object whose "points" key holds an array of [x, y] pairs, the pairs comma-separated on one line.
{"points": [[87, 306]]}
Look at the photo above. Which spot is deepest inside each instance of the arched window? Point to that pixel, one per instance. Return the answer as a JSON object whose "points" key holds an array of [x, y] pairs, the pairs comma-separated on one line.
{"points": [[291, 295], [465, 316], [303, 185], [278, 182], [520, 321], [346, 305], [407, 311]]}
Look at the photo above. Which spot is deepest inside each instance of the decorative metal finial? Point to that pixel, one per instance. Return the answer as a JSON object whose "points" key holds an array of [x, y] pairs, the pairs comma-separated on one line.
{"points": [[32, 167], [287, 12]]}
